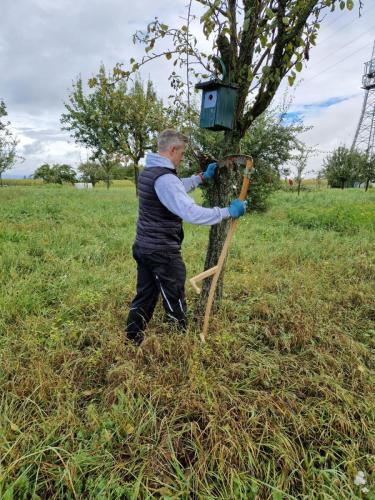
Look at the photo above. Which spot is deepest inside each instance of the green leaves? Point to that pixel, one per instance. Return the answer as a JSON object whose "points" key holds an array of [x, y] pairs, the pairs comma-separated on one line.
{"points": [[292, 78], [349, 4], [8, 143], [269, 13], [268, 43], [209, 19], [92, 82], [263, 40], [115, 122], [57, 173], [341, 167], [298, 66]]}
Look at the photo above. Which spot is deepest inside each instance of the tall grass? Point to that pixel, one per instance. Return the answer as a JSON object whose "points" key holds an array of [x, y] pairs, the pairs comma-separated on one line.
{"points": [[278, 404], [21, 182], [39, 182]]}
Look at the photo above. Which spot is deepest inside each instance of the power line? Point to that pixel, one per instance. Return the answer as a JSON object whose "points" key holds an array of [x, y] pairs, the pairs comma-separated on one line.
{"points": [[335, 32], [338, 62], [342, 14], [341, 28], [348, 43]]}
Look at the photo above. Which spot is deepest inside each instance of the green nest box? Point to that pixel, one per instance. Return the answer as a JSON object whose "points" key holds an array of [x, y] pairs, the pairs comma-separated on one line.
{"points": [[218, 105]]}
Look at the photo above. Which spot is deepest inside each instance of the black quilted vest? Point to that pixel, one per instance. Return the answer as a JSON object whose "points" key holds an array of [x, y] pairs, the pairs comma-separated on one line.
{"points": [[157, 228]]}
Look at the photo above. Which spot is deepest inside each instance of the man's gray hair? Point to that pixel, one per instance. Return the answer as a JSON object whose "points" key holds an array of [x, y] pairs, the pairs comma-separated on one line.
{"points": [[169, 138]]}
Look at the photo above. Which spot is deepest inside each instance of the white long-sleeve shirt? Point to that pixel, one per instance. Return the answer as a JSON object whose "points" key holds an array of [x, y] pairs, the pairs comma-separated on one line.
{"points": [[172, 193]]}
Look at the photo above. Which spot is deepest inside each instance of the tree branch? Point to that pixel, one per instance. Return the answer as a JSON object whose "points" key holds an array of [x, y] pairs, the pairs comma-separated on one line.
{"points": [[232, 4], [279, 65], [206, 3], [303, 16]]}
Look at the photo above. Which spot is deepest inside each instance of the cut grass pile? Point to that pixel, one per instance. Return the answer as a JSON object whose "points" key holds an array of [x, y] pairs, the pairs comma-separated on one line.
{"points": [[278, 404]]}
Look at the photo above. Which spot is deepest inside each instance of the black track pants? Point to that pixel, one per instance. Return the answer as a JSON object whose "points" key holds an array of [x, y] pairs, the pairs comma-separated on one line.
{"points": [[158, 273]]}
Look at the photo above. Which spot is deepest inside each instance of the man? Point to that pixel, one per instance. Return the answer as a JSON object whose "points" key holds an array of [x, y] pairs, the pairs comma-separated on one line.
{"points": [[163, 205]]}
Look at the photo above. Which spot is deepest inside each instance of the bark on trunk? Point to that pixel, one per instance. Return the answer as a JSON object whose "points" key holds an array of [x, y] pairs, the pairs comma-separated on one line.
{"points": [[225, 187], [136, 175], [367, 184]]}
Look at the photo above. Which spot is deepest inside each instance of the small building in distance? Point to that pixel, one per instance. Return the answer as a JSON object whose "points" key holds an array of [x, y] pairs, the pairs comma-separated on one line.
{"points": [[83, 185]]}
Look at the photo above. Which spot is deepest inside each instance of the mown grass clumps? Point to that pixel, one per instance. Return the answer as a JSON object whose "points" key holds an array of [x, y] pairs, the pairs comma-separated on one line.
{"points": [[279, 403]]}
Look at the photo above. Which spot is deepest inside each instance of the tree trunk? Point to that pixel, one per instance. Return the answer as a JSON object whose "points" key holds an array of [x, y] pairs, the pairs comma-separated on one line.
{"points": [[225, 188], [136, 175], [299, 186], [367, 184]]}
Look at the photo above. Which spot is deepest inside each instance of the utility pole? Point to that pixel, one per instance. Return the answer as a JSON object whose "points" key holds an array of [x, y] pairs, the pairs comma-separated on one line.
{"points": [[364, 139]]}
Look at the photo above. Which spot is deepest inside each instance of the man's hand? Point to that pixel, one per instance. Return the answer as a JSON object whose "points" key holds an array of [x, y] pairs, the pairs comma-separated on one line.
{"points": [[237, 208], [210, 171]]}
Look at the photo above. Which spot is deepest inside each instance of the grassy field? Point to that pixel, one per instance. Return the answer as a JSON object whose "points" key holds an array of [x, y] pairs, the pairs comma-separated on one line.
{"points": [[21, 182], [278, 404], [40, 183]]}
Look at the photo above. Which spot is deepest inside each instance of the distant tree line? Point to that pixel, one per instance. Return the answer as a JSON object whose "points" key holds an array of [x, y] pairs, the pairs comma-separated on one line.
{"points": [[346, 167], [90, 172]]}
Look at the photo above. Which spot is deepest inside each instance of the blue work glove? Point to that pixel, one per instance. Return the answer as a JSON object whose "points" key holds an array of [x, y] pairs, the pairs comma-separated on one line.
{"points": [[210, 171], [237, 208]]}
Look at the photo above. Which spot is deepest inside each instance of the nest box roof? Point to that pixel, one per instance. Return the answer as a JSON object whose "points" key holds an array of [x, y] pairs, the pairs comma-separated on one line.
{"points": [[214, 84]]}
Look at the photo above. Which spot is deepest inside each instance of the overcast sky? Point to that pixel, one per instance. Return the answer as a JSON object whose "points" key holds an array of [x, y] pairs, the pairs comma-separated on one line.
{"points": [[46, 44]]}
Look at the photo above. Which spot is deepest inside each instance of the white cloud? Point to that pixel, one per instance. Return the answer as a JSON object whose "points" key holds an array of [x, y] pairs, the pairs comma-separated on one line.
{"points": [[44, 45]]}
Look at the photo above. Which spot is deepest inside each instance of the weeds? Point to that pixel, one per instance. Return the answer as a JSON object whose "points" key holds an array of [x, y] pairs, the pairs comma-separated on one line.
{"points": [[278, 404]]}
